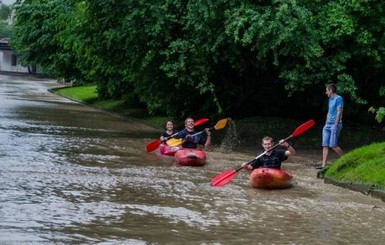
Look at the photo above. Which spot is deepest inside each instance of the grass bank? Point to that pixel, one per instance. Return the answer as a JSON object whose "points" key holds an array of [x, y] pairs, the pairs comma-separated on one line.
{"points": [[364, 162], [87, 94], [362, 165]]}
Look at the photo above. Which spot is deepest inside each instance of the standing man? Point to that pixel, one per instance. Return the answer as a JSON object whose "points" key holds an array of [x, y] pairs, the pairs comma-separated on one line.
{"points": [[333, 124]]}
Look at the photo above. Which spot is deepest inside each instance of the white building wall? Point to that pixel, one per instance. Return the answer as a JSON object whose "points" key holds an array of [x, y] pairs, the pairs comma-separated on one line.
{"points": [[6, 63]]}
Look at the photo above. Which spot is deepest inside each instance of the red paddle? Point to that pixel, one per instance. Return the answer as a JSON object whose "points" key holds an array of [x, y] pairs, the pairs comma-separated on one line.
{"points": [[153, 145], [226, 176]]}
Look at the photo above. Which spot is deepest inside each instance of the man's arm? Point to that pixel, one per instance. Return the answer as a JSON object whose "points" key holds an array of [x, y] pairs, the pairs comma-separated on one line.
{"points": [[339, 115]]}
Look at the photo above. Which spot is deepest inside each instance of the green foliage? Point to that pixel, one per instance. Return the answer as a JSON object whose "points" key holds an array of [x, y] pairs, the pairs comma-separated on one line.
{"points": [[41, 31], [380, 113], [204, 57], [5, 12], [5, 30], [310, 43], [101, 38]]}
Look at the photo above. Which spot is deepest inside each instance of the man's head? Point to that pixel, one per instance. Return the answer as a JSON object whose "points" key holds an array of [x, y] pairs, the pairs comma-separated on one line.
{"points": [[189, 123], [331, 89], [267, 142]]}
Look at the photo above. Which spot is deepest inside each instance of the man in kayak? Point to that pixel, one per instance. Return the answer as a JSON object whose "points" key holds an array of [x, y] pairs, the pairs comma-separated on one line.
{"points": [[190, 141], [272, 158]]}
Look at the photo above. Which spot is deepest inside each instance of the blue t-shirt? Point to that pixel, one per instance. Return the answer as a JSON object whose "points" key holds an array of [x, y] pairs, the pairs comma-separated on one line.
{"points": [[191, 142], [335, 102]]}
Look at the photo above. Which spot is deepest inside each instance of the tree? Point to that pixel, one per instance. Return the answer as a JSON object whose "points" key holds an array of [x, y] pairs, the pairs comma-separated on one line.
{"points": [[5, 29], [5, 12], [43, 36], [232, 57]]}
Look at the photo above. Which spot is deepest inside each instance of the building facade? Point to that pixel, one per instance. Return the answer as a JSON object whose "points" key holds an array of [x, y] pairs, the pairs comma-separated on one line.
{"points": [[9, 61]]}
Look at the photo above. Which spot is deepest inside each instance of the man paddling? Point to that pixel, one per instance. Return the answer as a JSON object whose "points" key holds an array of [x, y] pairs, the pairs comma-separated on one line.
{"points": [[272, 158], [190, 141]]}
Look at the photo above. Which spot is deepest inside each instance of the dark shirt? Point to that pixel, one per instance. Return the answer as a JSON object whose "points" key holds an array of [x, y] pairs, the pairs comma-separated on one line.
{"points": [[191, 142], [166, 135], [273, 160]]}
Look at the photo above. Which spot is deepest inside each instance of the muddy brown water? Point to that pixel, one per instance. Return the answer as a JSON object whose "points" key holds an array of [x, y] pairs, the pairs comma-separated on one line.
{"points": [[71, 174]]}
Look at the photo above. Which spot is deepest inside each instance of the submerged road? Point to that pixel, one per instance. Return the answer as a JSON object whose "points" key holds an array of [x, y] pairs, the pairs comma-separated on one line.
{"points": [[71, 174]]}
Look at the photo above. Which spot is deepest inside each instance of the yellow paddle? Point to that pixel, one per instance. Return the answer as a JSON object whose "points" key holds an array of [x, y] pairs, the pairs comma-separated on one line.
{"points": [[220, 124]]}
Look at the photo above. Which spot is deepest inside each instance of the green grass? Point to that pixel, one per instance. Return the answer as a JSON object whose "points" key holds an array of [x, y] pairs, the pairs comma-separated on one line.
{"points": [[85, 93], [88, 94], [362, 165]]}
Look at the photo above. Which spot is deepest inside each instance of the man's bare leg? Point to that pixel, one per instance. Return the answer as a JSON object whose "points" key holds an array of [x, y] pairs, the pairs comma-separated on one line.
{"points": [[325, 153], [338, 150]]}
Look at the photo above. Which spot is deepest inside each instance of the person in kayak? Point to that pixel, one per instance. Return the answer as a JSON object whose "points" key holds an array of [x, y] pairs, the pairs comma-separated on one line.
{"points": [[272, 158], [190, 141], [169, 130]]}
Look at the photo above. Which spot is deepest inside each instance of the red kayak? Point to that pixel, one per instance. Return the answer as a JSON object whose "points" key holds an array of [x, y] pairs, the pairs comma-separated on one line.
{"points": [[168, 150], [270, 178], [190, 157]]}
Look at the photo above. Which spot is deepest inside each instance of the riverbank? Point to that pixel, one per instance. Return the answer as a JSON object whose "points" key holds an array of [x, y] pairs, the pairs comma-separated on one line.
{"points": [[361, 169], [244, 135]]}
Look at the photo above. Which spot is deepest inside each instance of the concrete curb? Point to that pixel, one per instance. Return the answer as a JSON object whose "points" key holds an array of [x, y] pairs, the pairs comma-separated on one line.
{"points": [[365, 189]]}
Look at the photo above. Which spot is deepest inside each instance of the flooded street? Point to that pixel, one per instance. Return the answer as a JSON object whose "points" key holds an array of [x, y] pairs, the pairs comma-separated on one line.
{"points": [[71, 174]]}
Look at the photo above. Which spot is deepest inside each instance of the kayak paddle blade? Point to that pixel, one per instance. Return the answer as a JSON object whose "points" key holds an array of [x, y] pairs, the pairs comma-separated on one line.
{"points": [[174, 142], [201, 121], [221, 124], [302, 128], [153, 145], [223, 178]]}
